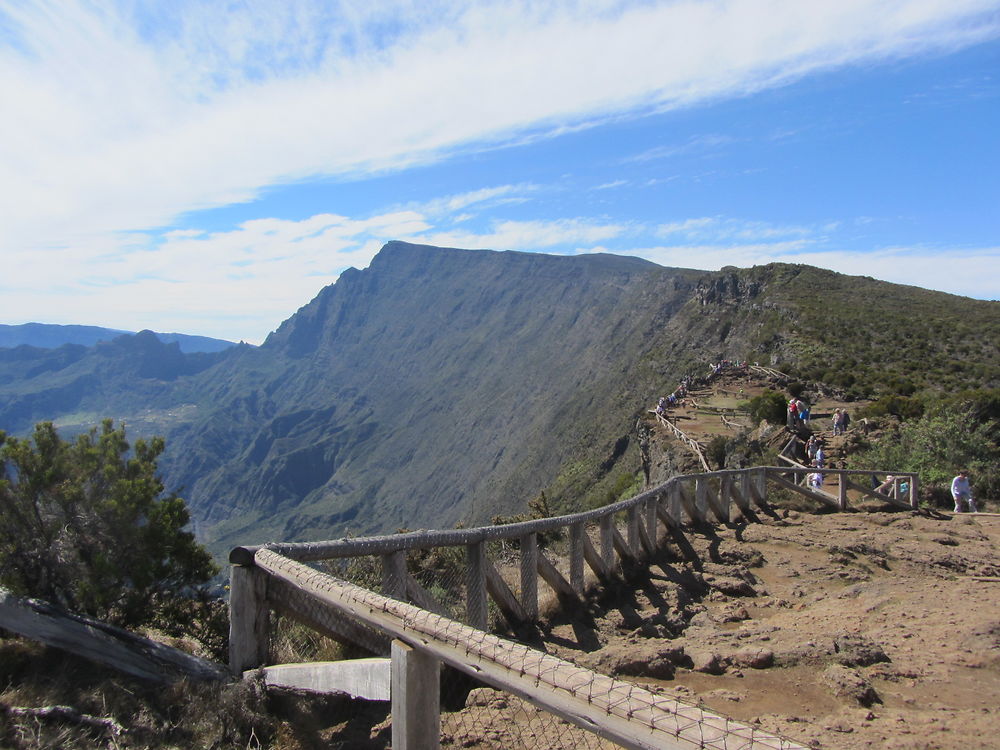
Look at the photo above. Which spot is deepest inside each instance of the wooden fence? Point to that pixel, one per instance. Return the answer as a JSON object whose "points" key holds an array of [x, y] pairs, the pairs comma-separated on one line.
{"points": [[606, 541]]}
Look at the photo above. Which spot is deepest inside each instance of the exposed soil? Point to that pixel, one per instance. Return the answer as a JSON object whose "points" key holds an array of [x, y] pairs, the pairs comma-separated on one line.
{"points": [[842, 630]]}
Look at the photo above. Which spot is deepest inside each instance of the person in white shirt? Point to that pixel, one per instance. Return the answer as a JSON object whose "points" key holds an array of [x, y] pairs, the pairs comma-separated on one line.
{"points": [[962, 493]]}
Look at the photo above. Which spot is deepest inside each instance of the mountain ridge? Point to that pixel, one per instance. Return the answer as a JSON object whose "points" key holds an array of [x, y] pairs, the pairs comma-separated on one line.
{"points": [[442, 386]]}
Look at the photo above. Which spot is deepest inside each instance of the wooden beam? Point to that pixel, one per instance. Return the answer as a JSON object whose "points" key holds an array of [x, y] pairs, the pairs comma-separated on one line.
{"points": [[529, 576], [293, 603], [394, 574], [423, 598], [103, 643], [688, 503], [416, 698], [576, 579], [807, 491], [249, 618], [497, 588], [594, 559], [555, 579], [633, 522], [368, 679], [608, 541], [475, 586], [622, 547]]}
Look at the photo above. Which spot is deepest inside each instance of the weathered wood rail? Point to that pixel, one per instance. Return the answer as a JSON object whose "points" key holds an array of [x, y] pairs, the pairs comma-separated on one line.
{"points": [[608, 541], [689, 441]]}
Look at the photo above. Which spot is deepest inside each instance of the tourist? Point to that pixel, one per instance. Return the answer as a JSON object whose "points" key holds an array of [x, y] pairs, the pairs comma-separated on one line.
{"points": [[961, 491], [838, 422]]}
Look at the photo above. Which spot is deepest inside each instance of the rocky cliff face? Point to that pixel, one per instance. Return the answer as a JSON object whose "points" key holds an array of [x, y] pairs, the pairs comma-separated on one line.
{"points": [[441, 386]]}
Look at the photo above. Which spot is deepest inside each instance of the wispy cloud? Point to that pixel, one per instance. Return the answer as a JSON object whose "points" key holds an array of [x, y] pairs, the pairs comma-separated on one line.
{"points": [[721, 228], [696, 145], [125, 116], [122, 117]]}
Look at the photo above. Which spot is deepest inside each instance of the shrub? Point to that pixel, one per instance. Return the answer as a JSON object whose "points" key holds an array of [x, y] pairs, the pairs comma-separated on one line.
{"points": [[87, 525]]}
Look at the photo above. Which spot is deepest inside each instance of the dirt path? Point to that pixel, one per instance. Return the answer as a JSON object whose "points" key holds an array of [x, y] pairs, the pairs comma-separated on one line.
{"points": [[843, 630]]}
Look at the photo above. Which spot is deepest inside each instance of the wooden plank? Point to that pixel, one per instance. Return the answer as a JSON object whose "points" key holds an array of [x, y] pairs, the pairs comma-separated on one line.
{"points": [[621, 712], [103, 643], [741, 495], [884, 498], [622, 547], [422, 597], [476, 613], [529, 576], [497, 588], [632, 523], [608, 541], [576, 579], [758, 486], [416, 698], [652, 525], [249, 618], [368, 679], [689, 505], [555, 579], [648, 543], [673, 505], [718, 502], [807, 491], [394, 574], [595, 560], [296, 605]]}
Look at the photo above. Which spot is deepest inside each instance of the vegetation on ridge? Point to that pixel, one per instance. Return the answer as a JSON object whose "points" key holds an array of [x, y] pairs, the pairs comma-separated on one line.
{"points": [[86, 525]]}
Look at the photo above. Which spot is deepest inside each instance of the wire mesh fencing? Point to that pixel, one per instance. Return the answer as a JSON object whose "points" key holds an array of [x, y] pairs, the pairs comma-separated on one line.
{"points": [[510, 695]]}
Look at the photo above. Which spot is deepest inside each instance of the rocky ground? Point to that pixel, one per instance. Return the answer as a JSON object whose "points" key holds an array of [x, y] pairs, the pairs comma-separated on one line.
{"points": [[840, 630]]}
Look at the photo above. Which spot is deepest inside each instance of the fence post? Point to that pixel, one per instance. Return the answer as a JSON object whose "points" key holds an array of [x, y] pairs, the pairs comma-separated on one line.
{"points": [[701, 498], [608, 541], [475, 585], [842, 491], [652, 522], [914, 486], [529, 576], [416, 698], [761, 481], [249, 620], [633, 521], [394, 575], [576, 532]]}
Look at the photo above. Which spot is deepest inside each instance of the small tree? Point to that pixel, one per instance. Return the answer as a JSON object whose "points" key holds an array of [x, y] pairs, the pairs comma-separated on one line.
{"points": [[936, 447], [87, 525], [769, 405]]}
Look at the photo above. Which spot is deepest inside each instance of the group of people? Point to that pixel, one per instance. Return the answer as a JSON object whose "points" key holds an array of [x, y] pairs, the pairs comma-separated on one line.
{"points": [[727, 364], [816, 453], [798, 413], [674, 399], [841, 421]]}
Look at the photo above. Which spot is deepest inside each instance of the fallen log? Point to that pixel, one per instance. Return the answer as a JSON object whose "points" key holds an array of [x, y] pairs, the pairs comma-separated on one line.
{"points": [[103, 643]]}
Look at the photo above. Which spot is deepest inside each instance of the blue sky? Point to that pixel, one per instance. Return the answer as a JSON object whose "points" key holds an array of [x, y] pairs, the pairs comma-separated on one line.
{"points": [[208, 167]]}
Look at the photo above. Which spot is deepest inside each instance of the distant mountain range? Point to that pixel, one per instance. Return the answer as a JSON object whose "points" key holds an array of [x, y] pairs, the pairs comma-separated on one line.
{"points": [[441, 386], [50, 336]]}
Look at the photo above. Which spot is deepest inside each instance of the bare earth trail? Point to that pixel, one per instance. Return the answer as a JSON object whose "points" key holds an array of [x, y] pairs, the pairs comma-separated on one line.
{"points": [[840, 630]]}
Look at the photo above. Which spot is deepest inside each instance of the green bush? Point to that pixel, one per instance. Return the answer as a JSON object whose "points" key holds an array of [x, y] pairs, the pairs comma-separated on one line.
{"points": [[769, 405], [87, 525]]}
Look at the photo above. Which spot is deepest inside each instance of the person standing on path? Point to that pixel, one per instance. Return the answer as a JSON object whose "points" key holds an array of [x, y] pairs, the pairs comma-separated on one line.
{"points": [[961, 491]]}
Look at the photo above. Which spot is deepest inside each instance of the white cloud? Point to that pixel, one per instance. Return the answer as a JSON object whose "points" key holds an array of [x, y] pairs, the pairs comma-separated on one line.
{"points": [[719, 228], [124, 120], [121, 117], [527, 235]]}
